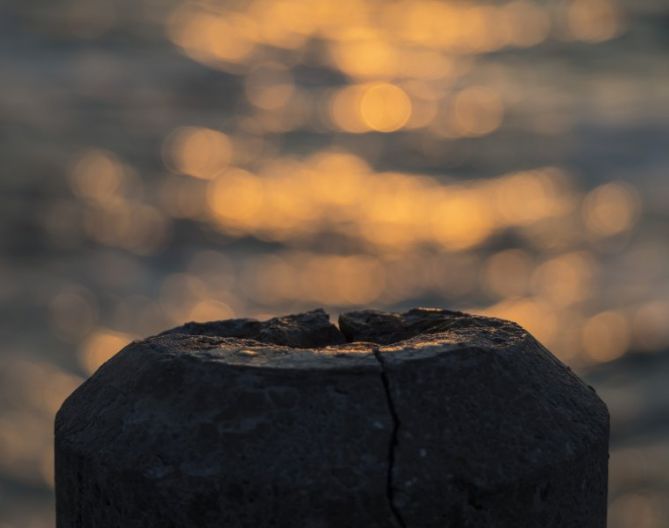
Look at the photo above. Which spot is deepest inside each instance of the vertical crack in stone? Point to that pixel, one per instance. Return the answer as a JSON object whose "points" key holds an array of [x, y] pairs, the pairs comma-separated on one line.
{"points": [[390, 490]]}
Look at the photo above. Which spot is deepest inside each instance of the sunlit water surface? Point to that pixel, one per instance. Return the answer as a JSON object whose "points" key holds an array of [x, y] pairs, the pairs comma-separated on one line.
{"points": [[173, 161]]}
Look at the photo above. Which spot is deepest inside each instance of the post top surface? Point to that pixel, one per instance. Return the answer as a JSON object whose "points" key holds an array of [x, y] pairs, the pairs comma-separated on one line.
{"points": [[310, 341]]}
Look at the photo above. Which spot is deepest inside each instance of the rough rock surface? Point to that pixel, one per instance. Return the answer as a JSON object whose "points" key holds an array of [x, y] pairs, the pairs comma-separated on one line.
{"points": [[310, 329], [416, 420]]}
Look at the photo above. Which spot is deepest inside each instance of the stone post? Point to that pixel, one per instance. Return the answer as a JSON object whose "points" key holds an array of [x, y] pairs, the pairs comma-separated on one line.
{"points": [[424, 419]]}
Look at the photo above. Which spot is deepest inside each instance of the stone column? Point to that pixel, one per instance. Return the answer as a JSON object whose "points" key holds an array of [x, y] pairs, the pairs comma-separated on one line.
{"points": [[429, 418]]}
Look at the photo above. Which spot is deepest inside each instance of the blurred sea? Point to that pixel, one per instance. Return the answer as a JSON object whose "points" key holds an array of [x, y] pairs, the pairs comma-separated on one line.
{"points": [[171, 161]]}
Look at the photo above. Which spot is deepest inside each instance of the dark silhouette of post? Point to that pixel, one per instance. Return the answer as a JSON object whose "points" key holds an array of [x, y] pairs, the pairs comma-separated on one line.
{"points": [[425, 419]]}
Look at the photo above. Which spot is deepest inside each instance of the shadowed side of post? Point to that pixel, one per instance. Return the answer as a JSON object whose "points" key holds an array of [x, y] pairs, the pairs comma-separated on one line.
{"points": [[415, 420]]}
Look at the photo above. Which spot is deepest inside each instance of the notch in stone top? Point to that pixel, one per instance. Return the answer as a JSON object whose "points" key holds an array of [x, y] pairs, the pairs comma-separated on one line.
{"points": [[313, 329], [304, 330]]}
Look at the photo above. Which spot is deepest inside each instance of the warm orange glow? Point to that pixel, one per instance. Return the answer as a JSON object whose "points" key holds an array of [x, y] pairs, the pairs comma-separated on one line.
{"points": [[525, 23], [536, 317], [593, 20], [366, 58], [198, 152], [236, 197], [283, 24], [345, 110], [97, 176], [478, 111], [338, 280], [376, 41], [337, 178], [424, 103], [606, 336], [210, 310], [139, 228], [461, 220], [525, 197], [385, 107], [382, 107], [566, 279], [335, 191], [215, 38], [611, 209], [34, 392], [426, 64], [334, 153], [100, 346]]}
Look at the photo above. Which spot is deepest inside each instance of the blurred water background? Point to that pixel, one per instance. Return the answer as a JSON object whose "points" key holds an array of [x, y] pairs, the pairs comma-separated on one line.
{"points": [[165, 161]]}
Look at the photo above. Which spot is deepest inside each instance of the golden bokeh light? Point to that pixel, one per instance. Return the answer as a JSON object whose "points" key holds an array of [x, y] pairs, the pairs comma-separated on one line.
{"points": [[236, 197], [427, 65], [565, 279], [35, 391], [341, 280], [337, 178], [605, 336], [41, 386], [216, 38], [611, 209], [525, 23], [284, 24], [344, 109], [375, 41], [423, 113], [210, 310], [477, 111], [101, 345], [334, 279], [593, 20], [366, 58], [335, 191], [461, 220], [536, 316], [198, 152], [384, 107], [141, 229], [339, 154], [523, 198], [97, 175]]}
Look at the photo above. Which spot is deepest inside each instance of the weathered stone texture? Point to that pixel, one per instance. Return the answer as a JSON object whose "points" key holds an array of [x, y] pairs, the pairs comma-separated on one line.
{"points": [[416, 420]]}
